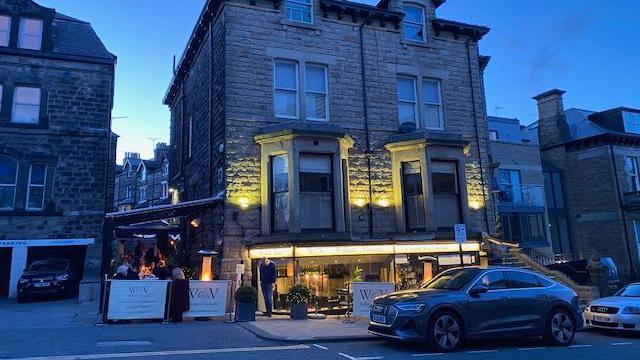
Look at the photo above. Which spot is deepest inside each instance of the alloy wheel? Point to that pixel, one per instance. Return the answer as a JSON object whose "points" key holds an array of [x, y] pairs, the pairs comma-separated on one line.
{"points": [[447, 332], [561, 328]]}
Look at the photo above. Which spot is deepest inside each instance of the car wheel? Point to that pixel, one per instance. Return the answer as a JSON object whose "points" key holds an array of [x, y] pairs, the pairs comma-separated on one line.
{"points": [[445, 332], [560, 328]]}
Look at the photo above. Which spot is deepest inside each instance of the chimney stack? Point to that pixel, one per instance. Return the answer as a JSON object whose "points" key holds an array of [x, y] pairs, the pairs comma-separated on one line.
{"points": [[552, 123]]}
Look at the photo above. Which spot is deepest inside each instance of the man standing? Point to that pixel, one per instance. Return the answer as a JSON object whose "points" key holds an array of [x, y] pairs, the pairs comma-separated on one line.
{"points": [[267, 279]]}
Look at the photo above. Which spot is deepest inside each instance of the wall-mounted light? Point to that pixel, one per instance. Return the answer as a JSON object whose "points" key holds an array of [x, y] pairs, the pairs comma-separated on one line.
{"points": [[243, 202], [171, 190], [195, 222], [383, 202], [475, 205], [360, 202]]}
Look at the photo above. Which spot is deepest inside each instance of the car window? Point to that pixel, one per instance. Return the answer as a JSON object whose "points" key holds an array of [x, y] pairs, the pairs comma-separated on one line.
{"points": [[522, 280], [48, 266], [454, 279], [494, 280], [632, 290]]}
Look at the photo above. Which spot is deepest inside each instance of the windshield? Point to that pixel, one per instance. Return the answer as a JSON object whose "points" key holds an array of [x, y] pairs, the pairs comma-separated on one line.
{"points": [[48, 266], [454, 279], [630, 291]]}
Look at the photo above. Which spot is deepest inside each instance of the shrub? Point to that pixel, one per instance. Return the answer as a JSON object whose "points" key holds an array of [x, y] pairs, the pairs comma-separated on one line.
{"points": [[298, 294], [247, 294]]}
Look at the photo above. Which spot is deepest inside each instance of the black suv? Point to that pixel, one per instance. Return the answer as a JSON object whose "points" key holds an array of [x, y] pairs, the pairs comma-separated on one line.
{"points": [[48, 277]]}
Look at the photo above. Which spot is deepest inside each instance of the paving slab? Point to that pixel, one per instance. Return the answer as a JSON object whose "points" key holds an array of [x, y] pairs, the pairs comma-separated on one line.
{"points": [[326, 330]]}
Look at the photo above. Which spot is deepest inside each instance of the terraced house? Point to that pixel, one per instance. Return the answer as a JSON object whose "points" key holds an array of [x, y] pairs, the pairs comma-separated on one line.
{"points": [[347, 140], [56, 145]]}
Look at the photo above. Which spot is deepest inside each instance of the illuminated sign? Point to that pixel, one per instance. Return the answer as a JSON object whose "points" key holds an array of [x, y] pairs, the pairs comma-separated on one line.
{"points": [[344, 250], [285, 252]]}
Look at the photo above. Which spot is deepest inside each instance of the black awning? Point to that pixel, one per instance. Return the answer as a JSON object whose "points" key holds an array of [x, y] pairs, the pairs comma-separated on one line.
{"points": [[154, 229]]}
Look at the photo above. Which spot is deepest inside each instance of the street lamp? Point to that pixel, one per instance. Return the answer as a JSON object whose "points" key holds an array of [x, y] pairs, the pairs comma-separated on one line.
{"points": [[206, 272]]}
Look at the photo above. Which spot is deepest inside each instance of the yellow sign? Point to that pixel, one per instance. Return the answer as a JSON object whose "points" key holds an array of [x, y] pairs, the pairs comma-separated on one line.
{"points": [[281, 252], [344, 250]]}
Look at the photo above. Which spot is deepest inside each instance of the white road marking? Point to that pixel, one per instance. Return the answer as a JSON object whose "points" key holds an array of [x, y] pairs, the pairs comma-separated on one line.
{"points": [[621, 343], [321, 347], [165, 353], [481, 351], [123, 343], [532, 348], [580, 346], [429, 354], [360, 358]]}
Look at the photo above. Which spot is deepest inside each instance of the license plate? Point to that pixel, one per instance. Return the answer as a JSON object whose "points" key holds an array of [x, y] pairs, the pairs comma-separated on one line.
{"points": [[41, 284], [601, 318], [381, 319]]}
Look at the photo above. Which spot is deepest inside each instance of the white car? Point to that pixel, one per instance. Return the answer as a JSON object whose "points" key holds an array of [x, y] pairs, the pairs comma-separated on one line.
{"points": [[618, 312]]}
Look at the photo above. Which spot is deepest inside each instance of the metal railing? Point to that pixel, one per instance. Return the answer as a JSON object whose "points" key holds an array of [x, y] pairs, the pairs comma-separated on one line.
{"points": [[522, 195], [572, 269]]}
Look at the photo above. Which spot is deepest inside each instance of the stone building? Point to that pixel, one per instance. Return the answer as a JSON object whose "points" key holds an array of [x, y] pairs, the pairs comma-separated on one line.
{"points": [[56, 146], [142, 183], [591, 164], [518, 183], [347, 139]]}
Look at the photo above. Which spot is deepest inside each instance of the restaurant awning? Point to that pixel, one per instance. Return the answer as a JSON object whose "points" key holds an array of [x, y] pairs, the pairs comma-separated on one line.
{"points": [[146, 230]]}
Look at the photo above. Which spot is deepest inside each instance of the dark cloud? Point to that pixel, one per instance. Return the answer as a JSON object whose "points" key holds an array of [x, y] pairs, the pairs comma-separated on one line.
{"points": [[546, 62]]}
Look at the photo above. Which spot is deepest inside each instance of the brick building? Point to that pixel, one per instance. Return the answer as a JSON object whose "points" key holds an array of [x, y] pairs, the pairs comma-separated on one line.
{"points": [[142, 183], [518, 183], [348, 139], [56, 145], [591, 164]]}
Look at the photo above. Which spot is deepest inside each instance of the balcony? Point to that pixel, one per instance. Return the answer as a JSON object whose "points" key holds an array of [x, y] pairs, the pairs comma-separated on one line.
{"points": [[631, 200], [523, 196]]}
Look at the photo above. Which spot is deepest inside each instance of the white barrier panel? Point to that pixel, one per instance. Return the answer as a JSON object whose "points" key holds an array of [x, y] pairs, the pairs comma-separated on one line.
{"points": [[365, 292], [207, 298], [137, 299]]}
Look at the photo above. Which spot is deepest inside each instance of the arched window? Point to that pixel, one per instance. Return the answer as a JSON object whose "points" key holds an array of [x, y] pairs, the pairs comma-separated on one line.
{"points": [[8, 179], [414, 23]]}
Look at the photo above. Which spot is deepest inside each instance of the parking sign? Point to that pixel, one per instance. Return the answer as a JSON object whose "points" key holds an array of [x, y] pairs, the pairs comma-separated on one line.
{"points": [[461, 232]]}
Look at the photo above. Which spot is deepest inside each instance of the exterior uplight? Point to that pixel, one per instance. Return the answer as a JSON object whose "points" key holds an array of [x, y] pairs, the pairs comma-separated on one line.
{"points": [[360, 202], [383, 203], [243, 202]]}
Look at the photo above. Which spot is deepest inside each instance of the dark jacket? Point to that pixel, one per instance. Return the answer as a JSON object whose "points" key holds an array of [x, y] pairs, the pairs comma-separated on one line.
{"points": [[180, 298], [162, 273], [268, 273], [119, 276], [132, 275]]}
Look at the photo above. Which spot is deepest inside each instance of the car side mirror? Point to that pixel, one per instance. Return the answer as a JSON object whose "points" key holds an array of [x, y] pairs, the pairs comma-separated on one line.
{"points": [[477, 290]]}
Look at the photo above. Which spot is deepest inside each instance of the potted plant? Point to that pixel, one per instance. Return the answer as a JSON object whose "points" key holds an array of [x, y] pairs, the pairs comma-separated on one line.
{"points": [[246, 299], [299, 296]]}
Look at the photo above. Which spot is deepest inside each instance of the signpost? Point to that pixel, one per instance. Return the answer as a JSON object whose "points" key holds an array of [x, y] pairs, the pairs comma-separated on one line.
{"points": [[365, 292], [461, 237]]}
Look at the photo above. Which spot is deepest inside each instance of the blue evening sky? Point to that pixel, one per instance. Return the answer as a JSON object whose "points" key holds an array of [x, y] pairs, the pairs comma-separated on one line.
{"points": [[591, 49]]}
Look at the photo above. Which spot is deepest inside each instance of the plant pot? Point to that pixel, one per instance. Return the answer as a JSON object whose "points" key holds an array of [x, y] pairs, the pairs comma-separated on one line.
{"points": [[299, 311], [245, 311]]}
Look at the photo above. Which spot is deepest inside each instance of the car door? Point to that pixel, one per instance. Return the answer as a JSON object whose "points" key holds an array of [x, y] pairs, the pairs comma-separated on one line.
{"points": [[488, 312], [528, 300]]}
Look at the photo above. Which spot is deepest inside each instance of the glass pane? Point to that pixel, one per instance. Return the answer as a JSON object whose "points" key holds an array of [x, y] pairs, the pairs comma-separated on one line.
{"points": [[316, 210], [30, 34], [412, 184], [411, 167], [31, 27], [27, 95], [413, 32], [6, 196], [406, 89], [315, 78], [315, 163], [8, 171], [281, 211], [280, 173], [494, 280], [37, 174], [315, 106], [548, 191], [406, 113], [286, 75], [315, 182], [430, 92], [286, 103], [299, 12], [415, 212], [413, 14], [520, 280], [5, 30], [443, 177], [36, 197], [30, 42], [432, 117]]}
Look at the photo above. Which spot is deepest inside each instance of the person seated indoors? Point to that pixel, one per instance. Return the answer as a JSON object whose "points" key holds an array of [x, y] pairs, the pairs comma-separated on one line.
{"points": [[122, 274]]}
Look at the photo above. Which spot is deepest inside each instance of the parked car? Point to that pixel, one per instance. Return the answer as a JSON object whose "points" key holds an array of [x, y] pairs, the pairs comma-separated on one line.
{"points": [[55, 277], [618, 312], [479, 302]]}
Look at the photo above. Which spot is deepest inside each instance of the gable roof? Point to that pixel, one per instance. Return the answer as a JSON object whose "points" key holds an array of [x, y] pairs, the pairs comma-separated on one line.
{"points": [[75, 37]]}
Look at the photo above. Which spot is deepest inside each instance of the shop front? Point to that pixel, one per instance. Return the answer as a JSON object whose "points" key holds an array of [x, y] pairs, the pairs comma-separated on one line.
{"points": [[330, 270]]}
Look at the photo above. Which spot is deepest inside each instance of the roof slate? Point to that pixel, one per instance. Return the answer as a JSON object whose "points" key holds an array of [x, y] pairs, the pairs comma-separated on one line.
{"points": [[76, 37]]}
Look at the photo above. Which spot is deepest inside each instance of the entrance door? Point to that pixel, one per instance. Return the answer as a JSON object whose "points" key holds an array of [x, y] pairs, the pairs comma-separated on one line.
{"points": [[446, 194], [5, 270]]}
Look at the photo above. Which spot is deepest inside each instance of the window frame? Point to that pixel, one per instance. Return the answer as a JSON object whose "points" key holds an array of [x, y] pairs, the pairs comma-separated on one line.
{"points": [[408, 228], [165, 167], [297, 89], [300, 3], [633, 174], [331, 191], [15, 103], [496, 137], [8, 32], [272, 194], [15, 182], [425, 104], [325, 69], [416, 107], [43, 186], [21, 34], [142, 194], [423, 25], [165, 190]]}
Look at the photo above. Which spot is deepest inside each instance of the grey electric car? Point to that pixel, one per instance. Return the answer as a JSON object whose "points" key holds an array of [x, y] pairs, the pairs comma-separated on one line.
{"points": [[479, 302]]}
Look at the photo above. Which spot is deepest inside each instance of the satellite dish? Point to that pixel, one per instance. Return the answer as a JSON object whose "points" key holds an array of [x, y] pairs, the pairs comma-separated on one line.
{"points": [[407, 127]]}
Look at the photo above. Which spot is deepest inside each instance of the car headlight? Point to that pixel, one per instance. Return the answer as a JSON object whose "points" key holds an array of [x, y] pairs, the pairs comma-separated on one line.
{"points": [[411, 307], [62, 277], [631, 310], [23, 281]]}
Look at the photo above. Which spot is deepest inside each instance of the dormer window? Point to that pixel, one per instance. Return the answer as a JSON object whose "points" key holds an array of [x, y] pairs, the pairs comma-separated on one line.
{"points": [[5, 30], [414, 23], [300, 11], [30, 34]]}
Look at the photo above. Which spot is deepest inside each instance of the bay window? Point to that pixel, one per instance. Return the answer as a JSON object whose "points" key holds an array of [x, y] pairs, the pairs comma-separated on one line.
{"points": [[8, 179], [407, 104], [5, 30], [286, 89], [413, 196], [280, 193], [414, 23], [432, 104], [316, 192], [26, 105], [36, 187], [446, 194], [30, 34]]}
